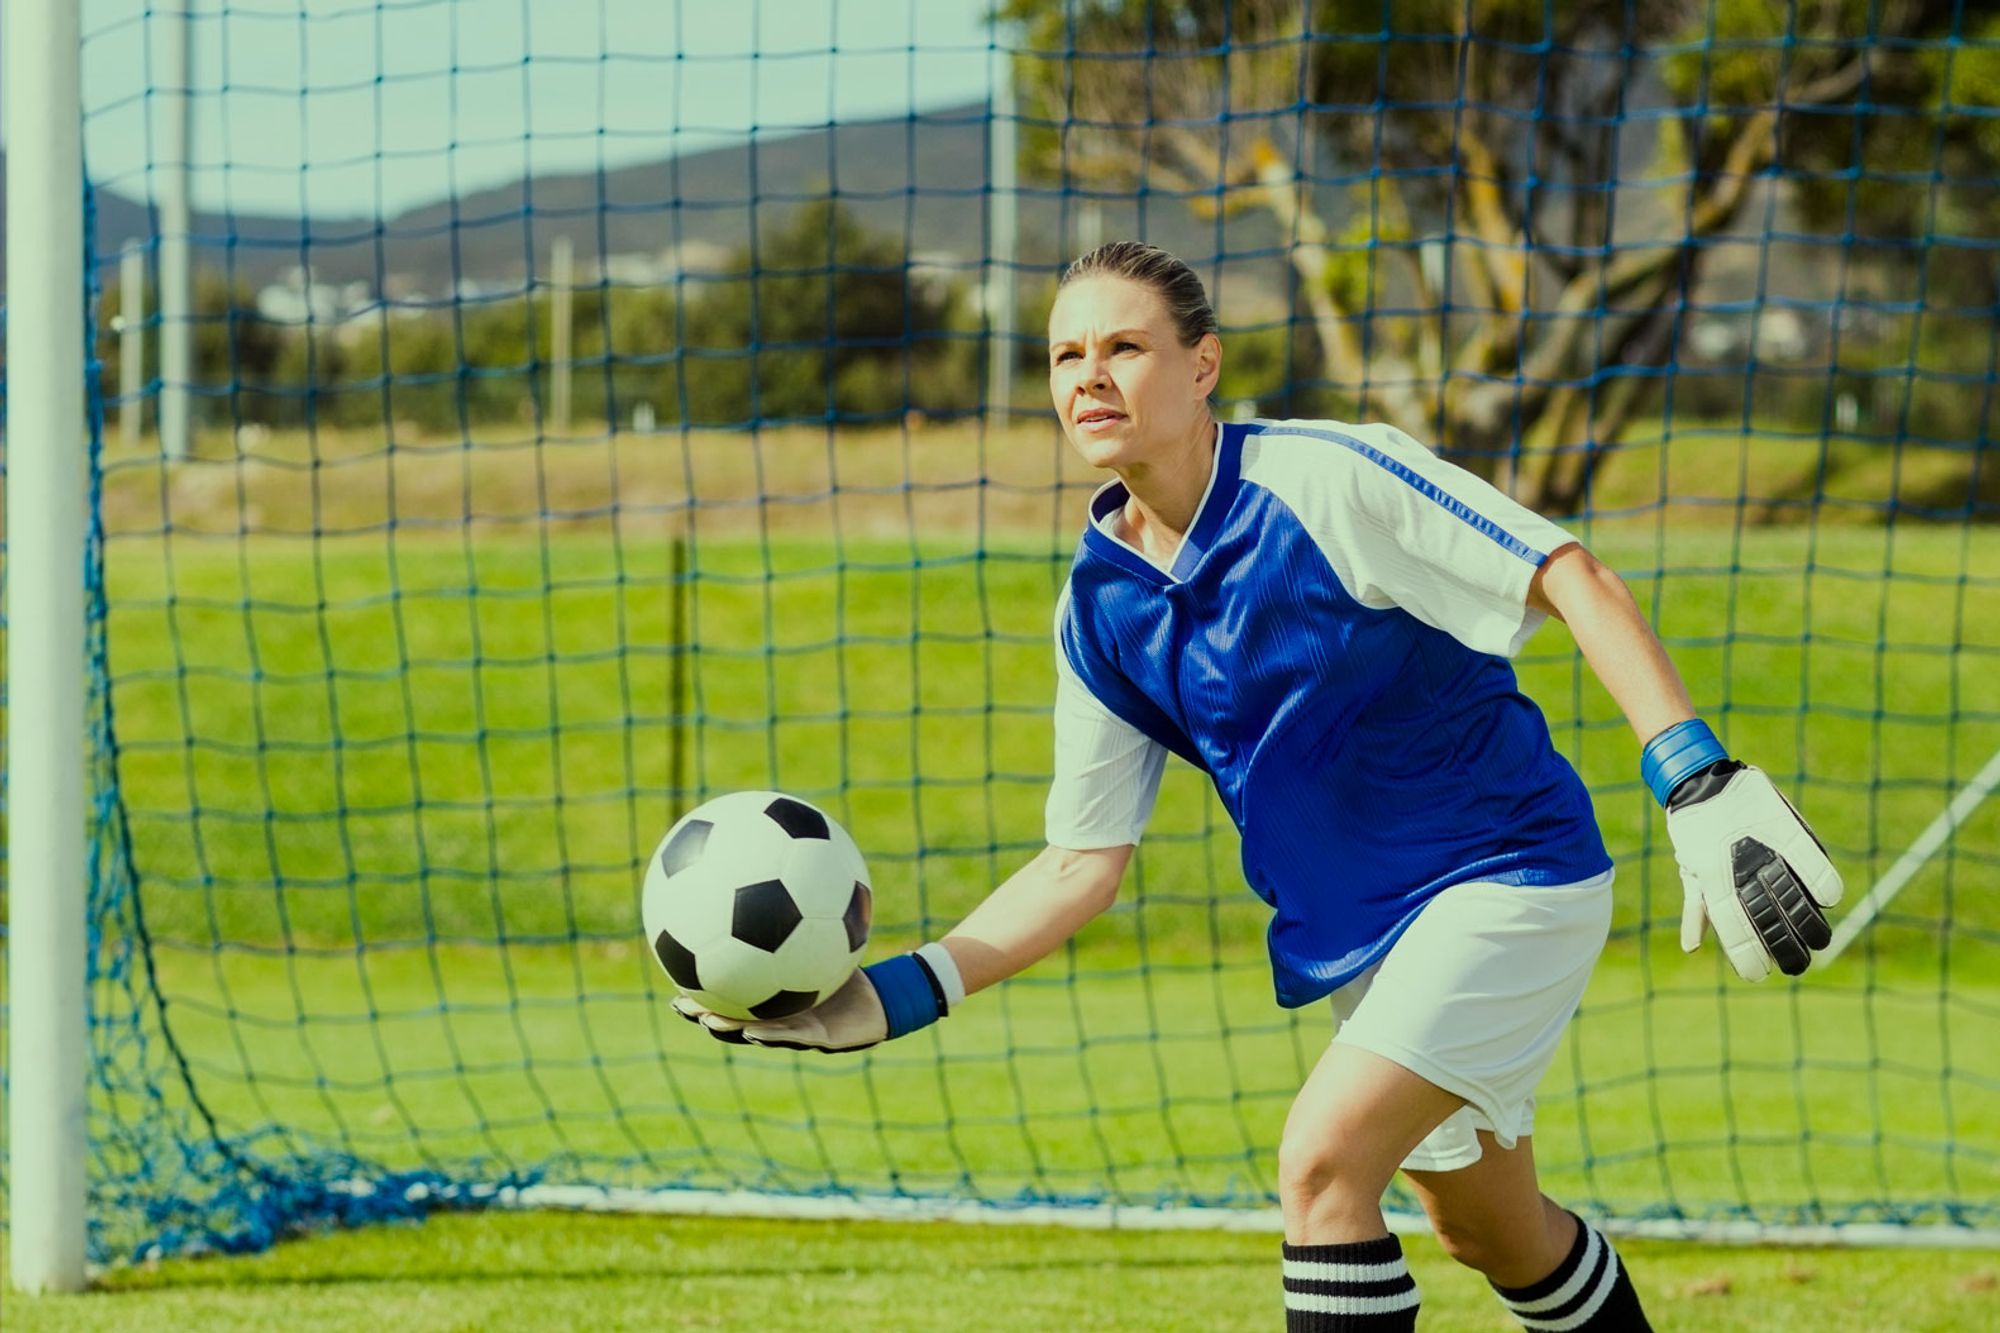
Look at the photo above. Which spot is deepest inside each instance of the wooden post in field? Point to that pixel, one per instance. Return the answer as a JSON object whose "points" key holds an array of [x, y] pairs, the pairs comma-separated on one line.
{"points": [[176, 262], [562, 280], [131, 343], [1003, 204]]}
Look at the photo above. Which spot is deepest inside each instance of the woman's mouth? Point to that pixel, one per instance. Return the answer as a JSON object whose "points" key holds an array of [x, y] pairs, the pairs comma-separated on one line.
{"points": [[1098, 418]]}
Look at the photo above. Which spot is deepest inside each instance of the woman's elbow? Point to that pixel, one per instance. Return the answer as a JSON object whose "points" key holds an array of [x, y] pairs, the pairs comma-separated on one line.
{"points": [[1570, 580], [1093, 875]]}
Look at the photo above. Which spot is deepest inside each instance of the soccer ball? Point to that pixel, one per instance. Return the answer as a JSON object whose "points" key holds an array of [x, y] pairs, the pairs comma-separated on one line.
{"points": [[757, 905]]}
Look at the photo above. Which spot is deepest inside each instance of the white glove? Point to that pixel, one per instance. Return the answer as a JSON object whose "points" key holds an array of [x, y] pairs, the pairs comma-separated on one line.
{"points": [[1752, 868], [850, 1019]]}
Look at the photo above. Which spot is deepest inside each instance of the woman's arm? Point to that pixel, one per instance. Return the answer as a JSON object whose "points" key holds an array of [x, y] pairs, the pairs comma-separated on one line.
{"points": [[1038, 907], [1750, 866], [1042, 904], [1577, 589]]}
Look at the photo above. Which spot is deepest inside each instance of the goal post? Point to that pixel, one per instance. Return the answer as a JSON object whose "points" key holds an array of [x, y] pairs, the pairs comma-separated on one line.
{"points": [[47, 447]]}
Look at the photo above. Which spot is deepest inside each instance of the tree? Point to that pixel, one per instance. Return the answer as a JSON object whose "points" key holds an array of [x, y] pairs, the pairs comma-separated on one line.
{"points": [[822, 319], [1487, 134], [236, 350]]}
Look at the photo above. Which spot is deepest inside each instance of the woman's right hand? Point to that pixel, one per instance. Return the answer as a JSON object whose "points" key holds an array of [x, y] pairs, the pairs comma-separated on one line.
{"points": [[850, 1019]]}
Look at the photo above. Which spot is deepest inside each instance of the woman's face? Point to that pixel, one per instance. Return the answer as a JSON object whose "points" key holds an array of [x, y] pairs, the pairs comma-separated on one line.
{"points": [[1123, 385]]}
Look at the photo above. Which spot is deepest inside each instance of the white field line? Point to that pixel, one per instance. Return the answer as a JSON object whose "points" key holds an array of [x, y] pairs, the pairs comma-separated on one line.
{"points": [[1116, 1217], [1911, 861]]}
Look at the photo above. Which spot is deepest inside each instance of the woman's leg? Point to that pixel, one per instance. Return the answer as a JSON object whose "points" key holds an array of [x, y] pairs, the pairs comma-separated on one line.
{"points": [[1493, 1217], [1351, 1125], [1550, 1269]]}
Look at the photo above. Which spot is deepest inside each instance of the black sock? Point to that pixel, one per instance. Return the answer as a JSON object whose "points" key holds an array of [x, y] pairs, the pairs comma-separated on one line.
{"points": [[1364, 1287], [1588, 1292]]}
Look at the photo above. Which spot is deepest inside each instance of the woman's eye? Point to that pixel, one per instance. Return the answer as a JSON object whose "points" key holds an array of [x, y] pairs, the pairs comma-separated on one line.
{"points": [[1063, 356], [1126, 347]]}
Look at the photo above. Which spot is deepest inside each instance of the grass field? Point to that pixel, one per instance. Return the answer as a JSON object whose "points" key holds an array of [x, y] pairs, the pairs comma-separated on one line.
{"points": [[555, 1271], [387, 786]]}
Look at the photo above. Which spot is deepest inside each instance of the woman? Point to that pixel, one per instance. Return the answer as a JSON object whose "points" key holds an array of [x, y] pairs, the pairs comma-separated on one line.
{"points": [[1318, 616]]}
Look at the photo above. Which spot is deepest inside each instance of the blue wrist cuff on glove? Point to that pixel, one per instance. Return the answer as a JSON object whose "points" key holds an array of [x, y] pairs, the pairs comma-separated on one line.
{"points": [[910, 994], [1677, 753]]}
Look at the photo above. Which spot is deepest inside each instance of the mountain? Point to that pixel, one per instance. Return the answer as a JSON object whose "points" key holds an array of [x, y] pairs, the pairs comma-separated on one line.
{"points": [[921, 175]]}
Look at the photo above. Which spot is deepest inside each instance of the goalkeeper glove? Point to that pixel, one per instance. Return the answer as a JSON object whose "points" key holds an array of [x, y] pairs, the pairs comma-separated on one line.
{"points": [[887, 999], [1750, 866]]}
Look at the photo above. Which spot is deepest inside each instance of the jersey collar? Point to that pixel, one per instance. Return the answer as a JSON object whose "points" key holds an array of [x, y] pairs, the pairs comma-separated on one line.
{"points": [[1208, 515]]}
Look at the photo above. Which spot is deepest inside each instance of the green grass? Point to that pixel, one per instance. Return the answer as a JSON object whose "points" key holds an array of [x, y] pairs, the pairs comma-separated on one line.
{"points": [[1084, 1076], [554, 1271], [388, 789], [388, 794], [406, 738]]}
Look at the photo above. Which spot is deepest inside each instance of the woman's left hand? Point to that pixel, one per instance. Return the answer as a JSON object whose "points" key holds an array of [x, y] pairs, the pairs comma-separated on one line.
{"points": [[1751, 867]]}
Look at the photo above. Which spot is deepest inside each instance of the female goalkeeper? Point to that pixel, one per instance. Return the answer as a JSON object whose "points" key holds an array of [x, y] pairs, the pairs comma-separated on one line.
{"points": [[1319, 616]]}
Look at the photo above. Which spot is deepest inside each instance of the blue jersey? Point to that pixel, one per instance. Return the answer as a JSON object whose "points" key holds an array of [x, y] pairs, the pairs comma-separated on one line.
{"points": [[1329, 645]]}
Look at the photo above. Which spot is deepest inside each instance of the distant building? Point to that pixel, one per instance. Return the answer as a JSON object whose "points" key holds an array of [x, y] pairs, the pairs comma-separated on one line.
{"points": [[298, 299]]}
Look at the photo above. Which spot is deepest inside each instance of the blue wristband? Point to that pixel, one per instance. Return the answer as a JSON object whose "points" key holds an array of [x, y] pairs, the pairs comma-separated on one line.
{"points": [[1677, 753], [910, 995]]}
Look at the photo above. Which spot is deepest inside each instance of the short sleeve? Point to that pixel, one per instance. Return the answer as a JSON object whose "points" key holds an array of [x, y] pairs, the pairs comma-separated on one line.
{"points": [[1107, 771], [1402, 527]]}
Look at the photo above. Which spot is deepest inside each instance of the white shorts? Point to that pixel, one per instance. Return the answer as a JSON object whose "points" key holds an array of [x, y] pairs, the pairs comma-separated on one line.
{"points": [[1474, 997]]}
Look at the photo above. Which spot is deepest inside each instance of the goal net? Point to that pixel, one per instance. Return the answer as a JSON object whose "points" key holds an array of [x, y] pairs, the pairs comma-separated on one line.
{"points": [[515, 425]]}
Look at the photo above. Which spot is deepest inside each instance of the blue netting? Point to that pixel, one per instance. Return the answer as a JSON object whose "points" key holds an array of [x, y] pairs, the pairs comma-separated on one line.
{"points": [[483, 563]]}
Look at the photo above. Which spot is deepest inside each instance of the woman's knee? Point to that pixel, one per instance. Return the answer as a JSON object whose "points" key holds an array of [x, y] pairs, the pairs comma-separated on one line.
{"points": [[1477, 1246], [1510, 1250], [1314, 1164]]}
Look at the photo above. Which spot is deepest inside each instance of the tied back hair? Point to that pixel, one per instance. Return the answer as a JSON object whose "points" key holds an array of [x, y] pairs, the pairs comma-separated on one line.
{"points": [[1167, 277]]}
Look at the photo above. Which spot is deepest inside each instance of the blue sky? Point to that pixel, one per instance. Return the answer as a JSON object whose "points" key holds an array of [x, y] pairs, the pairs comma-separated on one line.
{"points": [[341, 107]]}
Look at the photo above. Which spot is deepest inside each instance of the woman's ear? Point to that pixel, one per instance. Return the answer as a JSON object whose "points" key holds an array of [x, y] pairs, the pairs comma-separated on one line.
{"points": [[1207, 365]]}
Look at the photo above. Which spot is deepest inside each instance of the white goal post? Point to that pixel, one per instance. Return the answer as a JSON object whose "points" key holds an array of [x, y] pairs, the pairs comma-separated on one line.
{"points": [[47, 443]]}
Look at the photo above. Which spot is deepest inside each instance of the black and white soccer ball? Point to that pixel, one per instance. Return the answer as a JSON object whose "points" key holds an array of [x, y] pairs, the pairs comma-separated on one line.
{"points": [[757, 904]]}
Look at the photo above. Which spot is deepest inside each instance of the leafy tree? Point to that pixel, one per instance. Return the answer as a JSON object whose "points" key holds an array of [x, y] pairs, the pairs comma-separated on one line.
{"points": [[640, 325], [826, 322], [397, 366], [1488, 133], [235, 348]]}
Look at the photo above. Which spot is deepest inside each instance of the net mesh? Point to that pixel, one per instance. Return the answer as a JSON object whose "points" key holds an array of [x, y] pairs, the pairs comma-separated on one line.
{"points": [[596, 412]]}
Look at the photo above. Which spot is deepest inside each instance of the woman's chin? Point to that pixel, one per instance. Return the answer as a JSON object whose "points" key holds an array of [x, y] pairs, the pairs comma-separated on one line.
{"points": [[1102, 451]]}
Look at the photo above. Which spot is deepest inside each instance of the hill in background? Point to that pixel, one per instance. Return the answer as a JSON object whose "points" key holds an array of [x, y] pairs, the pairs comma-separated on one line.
{"points": [[922, 176]]}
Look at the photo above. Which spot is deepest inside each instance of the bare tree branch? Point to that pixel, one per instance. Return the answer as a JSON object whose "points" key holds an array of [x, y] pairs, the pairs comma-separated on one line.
{"points": [[1389, 376], [1834, 86], [1423, 340], [1508, 357], [1501, 248], [1480, 182], [1617, 275], [1588, 436]]}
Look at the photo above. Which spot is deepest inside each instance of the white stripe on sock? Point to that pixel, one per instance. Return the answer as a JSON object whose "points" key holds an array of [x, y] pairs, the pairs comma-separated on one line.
{"points": [[1314, 1270], [1306, 1300], [1585, 1312], [1562, 1295]]}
